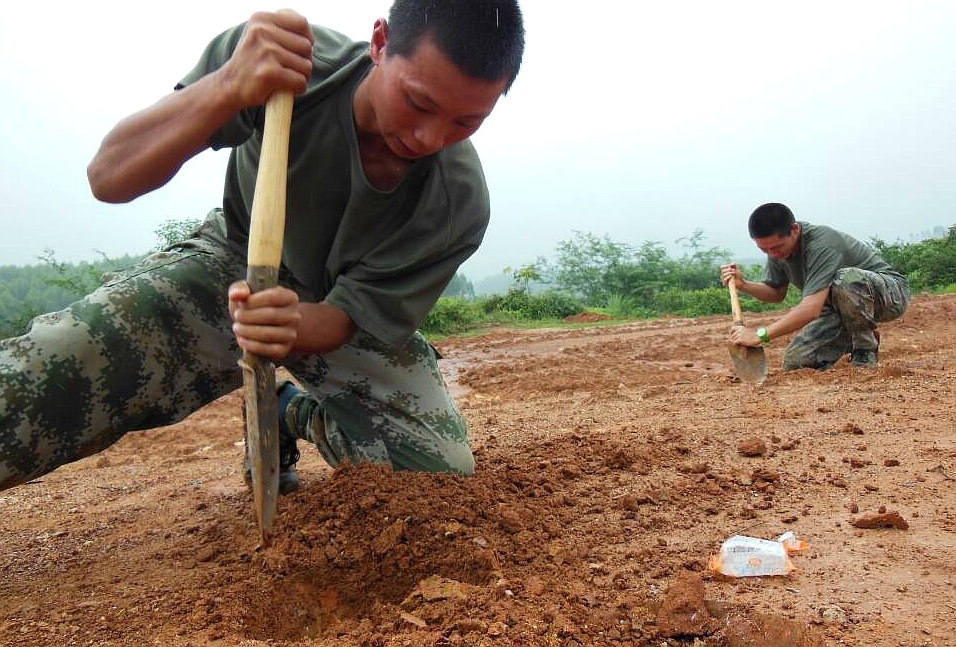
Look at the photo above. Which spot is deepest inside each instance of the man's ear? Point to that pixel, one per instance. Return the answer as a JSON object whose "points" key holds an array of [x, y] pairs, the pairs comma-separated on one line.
{"points": [[379, 40]]}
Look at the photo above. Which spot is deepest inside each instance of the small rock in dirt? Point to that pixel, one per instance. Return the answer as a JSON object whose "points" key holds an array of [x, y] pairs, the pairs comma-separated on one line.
{"points": [[206, 553], [390, 537], [693, 468], [469, 625], [510, 520], [853, 507], [765, 475], [752, 447], [884, 520], [834, 614], [413, 620], [891, 462], [851, 428], [633, 502], [534, 586]]}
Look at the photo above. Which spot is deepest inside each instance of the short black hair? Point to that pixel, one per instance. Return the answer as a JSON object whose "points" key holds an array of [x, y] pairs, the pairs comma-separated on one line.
{"points": [[483, 38], [770, 219]]}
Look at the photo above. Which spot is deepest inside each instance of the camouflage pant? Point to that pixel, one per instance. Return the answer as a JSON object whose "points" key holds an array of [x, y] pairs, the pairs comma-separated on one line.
{"points": [[155, 344], [858, 301]]}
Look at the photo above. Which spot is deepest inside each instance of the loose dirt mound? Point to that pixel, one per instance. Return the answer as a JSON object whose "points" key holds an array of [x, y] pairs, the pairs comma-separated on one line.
{"points": [[587, 317], [608, 470]]}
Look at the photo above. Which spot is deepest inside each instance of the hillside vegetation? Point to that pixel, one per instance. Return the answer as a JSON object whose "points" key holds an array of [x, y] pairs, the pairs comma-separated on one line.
{"points": [[587, 273]]}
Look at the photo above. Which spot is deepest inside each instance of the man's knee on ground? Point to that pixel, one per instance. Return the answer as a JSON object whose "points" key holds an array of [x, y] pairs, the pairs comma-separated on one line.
{"points": [[795, 360], [461, 460]]}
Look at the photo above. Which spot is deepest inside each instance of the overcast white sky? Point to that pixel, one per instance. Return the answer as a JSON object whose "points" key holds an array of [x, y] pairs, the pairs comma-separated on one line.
{"points": [[638, 120]]}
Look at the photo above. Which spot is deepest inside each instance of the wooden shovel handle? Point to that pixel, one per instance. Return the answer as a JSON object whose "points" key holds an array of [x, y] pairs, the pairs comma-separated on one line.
{"points": [[735, 302], [268, 205]]}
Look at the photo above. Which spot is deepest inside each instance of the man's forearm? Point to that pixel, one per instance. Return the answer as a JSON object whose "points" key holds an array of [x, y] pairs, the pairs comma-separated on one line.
{"points": [[145, 150], [794, 320], [323, 328], [762, 291]]}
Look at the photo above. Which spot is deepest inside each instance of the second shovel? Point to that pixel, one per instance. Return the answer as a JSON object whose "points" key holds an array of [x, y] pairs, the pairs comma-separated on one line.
{"points": [[750, 363]]}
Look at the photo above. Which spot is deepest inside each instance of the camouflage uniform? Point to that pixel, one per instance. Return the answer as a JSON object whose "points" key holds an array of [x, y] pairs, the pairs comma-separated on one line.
{"points": [[155, 343], [858, 301]]}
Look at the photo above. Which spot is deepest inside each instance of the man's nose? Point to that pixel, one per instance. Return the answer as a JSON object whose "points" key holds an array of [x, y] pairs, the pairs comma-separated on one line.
{"points": [[430, 138]]}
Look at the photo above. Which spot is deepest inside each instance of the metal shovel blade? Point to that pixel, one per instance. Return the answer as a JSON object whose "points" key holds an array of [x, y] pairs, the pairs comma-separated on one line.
{"points": [[750, 363]]}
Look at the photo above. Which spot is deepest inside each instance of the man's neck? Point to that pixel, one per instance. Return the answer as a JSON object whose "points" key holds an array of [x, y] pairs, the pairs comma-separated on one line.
{"points": [[383, 169]]}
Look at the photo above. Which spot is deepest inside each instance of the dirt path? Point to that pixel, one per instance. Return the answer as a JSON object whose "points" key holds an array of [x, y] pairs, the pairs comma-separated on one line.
{"points": [[608, 472]]}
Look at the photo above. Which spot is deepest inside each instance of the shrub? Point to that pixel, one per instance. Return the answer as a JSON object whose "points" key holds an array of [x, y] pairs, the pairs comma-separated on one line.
{"points": [[525, 306], [451, 315]]}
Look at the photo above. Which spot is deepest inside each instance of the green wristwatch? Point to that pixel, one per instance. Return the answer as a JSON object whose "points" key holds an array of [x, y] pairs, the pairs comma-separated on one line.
{"points": [[764, 335]]}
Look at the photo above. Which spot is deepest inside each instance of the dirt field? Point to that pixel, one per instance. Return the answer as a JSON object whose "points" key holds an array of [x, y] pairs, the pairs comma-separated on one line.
{"points": [[609, 469]]}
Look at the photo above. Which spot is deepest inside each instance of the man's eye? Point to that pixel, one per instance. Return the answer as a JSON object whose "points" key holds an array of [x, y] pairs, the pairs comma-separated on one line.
{"points": [[416, 106]]}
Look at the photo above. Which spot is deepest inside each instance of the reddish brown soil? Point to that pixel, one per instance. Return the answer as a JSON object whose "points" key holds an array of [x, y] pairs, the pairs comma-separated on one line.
{"points": [[609, 470]]}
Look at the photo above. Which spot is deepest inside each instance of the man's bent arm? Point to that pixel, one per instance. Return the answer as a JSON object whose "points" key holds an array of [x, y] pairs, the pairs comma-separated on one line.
{"points": [[800, 315], [322, 329], [762, 291], [145, 150]]}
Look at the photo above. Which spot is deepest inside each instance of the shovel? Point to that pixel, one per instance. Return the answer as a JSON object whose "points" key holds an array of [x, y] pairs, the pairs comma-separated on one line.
{"points": [[750, 363], [266, 230]]}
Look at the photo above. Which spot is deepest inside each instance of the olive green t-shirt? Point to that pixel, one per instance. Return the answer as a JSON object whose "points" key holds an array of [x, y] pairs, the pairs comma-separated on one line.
{"points": [[820, 252], [382, 257]]}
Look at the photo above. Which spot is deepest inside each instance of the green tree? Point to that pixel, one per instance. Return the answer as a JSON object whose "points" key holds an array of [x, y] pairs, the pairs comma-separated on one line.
{"points": [[930, 263], [460, 287], [591, 267], [602, 271], [175, 231], [699, 267]]}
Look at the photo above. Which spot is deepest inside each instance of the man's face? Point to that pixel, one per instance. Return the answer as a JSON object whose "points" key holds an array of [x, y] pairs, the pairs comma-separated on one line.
{"points": [[780, 247], [424, 103]]}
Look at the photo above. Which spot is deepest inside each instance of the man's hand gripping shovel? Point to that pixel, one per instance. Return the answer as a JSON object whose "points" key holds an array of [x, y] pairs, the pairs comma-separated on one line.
{"points": [[750, 363], [265, 254]]}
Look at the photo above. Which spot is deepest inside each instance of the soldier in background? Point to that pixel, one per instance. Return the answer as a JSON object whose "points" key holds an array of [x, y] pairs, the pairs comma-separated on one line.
{"points": [[847, 290]]}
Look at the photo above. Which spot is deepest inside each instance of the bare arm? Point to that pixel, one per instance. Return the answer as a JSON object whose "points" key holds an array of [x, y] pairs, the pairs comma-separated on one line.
{"points": [[756, 289], [800, 315], [145, 150], [796, 318]]}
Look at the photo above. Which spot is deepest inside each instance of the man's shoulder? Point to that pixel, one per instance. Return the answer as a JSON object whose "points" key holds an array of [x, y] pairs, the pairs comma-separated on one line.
{"points": [[332, 47], [823, 234], [462, 173]]}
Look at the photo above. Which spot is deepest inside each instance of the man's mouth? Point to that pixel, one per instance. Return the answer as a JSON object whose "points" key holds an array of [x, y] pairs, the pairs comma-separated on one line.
{"points": [[404, 151]]}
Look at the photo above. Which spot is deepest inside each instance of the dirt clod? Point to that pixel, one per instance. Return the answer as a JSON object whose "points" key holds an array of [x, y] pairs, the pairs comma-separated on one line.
{"points": [[752, 447], [881, 520]]}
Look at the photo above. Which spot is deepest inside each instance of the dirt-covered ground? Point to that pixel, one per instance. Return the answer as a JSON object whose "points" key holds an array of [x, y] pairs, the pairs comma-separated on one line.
{"points": [[610, 466]]}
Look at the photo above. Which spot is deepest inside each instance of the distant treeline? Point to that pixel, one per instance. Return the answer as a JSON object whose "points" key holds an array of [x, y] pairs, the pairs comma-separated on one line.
{"points": [[622, 281], [587, 272]]}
